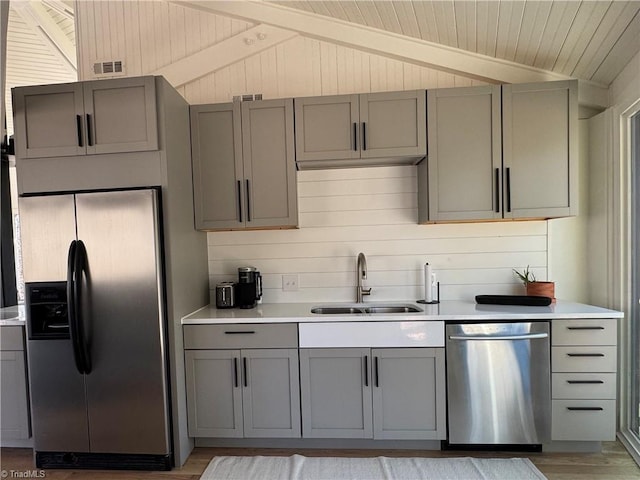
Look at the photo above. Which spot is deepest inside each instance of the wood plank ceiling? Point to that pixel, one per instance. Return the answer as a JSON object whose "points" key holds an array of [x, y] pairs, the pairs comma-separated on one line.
{"points": [[589, 40]]}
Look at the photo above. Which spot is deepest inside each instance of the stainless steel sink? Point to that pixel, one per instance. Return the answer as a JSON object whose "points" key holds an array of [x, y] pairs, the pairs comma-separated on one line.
{"points": [[359, 309]]}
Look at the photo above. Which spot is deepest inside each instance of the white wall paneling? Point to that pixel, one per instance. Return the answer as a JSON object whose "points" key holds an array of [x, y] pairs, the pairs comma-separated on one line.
{"points": [[343, 212]]}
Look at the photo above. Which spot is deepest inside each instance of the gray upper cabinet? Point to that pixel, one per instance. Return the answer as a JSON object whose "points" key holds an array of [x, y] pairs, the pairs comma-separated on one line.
{"points": [[105, 116], [500, 152], [244, 166], [461, 178], [540, 156], [359, 130]]}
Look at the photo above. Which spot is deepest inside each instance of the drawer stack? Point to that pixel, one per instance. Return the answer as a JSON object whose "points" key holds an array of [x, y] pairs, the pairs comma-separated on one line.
{"points": [[583, 379]]}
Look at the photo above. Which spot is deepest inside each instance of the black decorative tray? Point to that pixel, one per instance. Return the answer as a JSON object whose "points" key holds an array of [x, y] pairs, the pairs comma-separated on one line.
{"points": [[528, 300]]}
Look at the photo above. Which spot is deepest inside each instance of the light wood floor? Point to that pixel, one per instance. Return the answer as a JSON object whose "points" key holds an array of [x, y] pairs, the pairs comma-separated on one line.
{"points": [[614, 463]]}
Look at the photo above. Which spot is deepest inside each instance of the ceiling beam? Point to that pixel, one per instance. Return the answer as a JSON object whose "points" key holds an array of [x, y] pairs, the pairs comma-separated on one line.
{"points": [[389, 44], [223, 54], [36, 17]]}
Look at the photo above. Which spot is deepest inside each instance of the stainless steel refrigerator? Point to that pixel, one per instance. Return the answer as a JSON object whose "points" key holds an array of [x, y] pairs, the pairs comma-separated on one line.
{"points": [[97, 348]]}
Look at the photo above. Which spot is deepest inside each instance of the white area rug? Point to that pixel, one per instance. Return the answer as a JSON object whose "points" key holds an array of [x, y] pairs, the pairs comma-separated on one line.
{"points": [[298, 467]]}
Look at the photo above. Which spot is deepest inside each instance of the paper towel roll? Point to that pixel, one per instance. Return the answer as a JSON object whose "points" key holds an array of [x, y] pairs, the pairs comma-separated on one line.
{"points": [[428, 279]]}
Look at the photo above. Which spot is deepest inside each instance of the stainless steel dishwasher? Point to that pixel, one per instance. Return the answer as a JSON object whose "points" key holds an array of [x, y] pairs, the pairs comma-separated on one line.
{"points": [[498, 383]]}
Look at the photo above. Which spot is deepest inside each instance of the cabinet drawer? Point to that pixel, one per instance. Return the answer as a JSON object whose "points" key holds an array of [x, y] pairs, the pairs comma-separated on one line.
{"points": [[281, 335], [584, 420], [600, 386], [583, 359], [11, 338], [584, 332]]}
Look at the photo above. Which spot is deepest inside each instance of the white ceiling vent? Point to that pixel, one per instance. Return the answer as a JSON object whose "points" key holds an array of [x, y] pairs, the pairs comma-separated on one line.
{"points": [[108, 69]]}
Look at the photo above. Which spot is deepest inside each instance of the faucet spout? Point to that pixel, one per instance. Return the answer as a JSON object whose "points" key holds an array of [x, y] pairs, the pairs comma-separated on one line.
{"points": [[361, 273]]}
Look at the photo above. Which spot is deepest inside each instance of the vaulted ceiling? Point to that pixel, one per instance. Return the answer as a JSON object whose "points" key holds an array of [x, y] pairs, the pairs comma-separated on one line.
{"points": [[588, 40]]}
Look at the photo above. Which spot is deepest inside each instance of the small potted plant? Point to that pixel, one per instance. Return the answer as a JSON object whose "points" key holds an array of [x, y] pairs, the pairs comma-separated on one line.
{"points": [[535, 287]]}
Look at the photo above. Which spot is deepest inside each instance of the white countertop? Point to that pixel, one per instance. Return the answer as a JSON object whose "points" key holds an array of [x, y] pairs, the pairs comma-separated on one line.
{"points": [[12, 316], [447, 310]]}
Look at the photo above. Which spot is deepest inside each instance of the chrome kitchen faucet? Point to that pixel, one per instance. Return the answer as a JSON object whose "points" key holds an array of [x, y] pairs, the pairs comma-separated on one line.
{"points": [[361, 273]]}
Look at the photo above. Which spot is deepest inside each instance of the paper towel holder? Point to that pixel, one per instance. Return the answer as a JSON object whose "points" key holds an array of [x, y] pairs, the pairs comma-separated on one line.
{"points": [[433, 302]]}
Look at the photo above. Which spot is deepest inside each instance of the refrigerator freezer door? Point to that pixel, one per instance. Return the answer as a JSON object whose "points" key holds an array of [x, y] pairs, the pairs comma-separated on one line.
{"points": [[48, 226], [56, 387], [124, 321]]}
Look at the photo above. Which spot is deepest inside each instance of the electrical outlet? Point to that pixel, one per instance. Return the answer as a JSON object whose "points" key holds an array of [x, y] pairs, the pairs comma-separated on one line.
{"points": [[290, 283]]}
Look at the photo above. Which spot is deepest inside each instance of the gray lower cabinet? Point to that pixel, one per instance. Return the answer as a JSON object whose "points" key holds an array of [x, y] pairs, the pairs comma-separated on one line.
{"points": [[380, 393], [244, 165], [365, 129], [83, 118], [14, 421], [583, 379], [243, 393], [500, 152]]}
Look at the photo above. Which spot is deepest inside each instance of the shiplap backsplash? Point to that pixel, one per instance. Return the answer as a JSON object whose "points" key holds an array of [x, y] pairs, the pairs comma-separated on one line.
{"points": [[374, 210]]}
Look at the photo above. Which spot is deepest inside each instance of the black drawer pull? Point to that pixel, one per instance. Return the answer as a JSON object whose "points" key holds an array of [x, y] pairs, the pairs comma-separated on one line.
{"points": [[240, 332], [497, 187], [584, 382], [366, 370], [79, 127], [89, 130], [244, 371], [377, 376], [235, 372], [585, 354], [239, 201], [355, 137], [585, 328], [585, 409]]}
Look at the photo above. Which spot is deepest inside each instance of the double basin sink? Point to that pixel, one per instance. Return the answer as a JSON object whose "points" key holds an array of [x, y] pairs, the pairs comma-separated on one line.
{"points": [[361, 308]]}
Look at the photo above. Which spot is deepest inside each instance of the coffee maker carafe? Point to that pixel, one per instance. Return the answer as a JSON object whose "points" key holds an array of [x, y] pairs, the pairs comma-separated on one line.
{"points": [[249, 288]]}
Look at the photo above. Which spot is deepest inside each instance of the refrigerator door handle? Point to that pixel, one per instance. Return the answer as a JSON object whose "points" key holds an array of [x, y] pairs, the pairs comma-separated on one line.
{"points": [[79, 270], [71, 306]]}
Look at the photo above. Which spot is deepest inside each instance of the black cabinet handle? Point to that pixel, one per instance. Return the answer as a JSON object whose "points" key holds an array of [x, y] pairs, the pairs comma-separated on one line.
{"points": [[497, 190], [248, 202], [235, 372], [585, 354], [239, 201], [366, 370], [508, 194], [584, 382], [244, 371], [585, 328], [89, 131], [240, 332], [355, 137], [79, 127], [364, 135], [376, 371], [585, 409]]}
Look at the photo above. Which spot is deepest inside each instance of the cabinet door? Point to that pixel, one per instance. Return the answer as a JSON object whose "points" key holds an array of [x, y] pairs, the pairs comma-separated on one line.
{"points": [[216, 152], [49, 120], [393, 124], [327, 128], [13, 396], [460, 180], [214, 393], [336, 393], [540, 149], [121, 115], [271, 393], [408, 393], [269, 164]]}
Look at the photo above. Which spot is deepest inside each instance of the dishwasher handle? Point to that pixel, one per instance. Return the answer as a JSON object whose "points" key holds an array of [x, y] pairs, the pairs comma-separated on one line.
{"points": [[531, 336]]}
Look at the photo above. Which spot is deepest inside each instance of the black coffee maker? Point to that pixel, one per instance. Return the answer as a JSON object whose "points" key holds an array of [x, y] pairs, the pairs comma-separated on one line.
{"points": [[249, 287]]}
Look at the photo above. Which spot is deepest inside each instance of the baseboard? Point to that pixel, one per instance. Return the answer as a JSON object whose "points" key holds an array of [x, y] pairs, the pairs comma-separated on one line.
{"points": [[325, 443]]}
